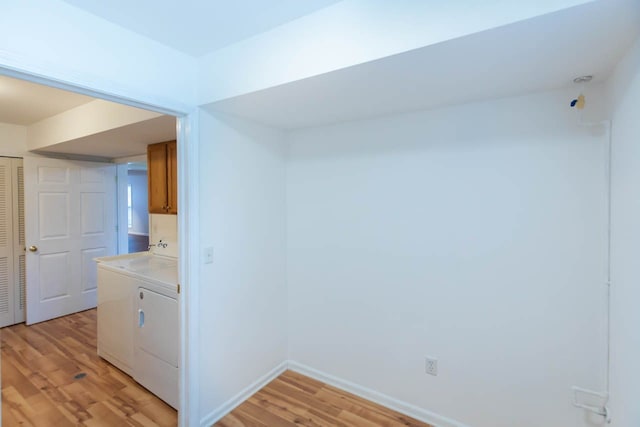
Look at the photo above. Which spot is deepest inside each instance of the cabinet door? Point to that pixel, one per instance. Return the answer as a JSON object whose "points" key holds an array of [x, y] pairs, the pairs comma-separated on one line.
{"points": [[157, 173], [172, 174]]}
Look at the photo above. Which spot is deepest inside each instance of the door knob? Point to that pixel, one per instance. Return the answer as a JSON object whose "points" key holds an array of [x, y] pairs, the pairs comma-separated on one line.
{"points": [[33, 248]]}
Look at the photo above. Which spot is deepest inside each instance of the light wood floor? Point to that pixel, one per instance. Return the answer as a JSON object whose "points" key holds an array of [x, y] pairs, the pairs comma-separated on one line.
{"points": [[39, 363], [295, 400]]}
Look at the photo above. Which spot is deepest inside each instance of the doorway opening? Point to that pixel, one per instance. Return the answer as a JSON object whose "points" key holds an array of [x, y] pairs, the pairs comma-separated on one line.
{"points": [[71, 162], [137, 207]]}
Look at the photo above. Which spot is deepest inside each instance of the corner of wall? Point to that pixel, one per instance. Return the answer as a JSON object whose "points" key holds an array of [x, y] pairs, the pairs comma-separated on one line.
{"points": [[624, 104], [405, 408], [242, 217], [617, 86], [13, 140], [219, 413]]}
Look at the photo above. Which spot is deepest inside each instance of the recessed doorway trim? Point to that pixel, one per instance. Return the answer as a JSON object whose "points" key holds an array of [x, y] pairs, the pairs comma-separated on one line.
{"points": [[187, 136]]}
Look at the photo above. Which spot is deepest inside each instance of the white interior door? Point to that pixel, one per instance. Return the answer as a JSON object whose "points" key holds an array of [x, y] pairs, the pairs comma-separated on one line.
{"points": [[70, 211]]}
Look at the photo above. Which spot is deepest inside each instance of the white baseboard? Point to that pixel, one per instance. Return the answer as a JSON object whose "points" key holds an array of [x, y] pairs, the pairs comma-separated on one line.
{"points": [[236, 400], [376, 397]]}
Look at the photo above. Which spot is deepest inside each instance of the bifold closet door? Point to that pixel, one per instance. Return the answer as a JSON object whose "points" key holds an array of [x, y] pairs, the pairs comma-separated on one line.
{"points": [[19, 256], [12, 256], [7, 290]]}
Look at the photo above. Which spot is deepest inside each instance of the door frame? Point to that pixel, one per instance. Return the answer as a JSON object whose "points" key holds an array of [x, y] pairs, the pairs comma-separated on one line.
{"points": [[188, 226]]}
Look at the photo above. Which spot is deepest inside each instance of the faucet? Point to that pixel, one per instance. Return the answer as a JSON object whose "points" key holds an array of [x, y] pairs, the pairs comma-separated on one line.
{"points": [[160, 244]]}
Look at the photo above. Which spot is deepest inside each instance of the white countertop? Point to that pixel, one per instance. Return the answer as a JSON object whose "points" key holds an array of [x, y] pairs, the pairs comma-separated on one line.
{"points": [[145, 265]]}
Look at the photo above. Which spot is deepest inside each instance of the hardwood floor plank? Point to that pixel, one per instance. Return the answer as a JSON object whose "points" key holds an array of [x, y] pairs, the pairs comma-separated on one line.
{"points": [[13, 376], [304, 399], [317, 414], [230, 421], [76, 411], [12, 419], [159, 412], [14, 403], [364, 409], [103, 416], [325, 419], [39, 387], [355, 420], [284, 409], [293, 399], [263, 415], [245, 420], [308, 385]]}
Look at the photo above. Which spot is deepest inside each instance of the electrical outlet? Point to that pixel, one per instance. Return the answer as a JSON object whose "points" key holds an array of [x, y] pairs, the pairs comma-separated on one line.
{"points": [[431, 366]]}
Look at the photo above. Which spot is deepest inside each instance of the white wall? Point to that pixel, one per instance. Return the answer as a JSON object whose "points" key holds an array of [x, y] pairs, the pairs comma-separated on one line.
{"points": [[474, 234], [625, 381], [241, 293], [243, 297], [13, 140], [139, 202], [165, 228]]}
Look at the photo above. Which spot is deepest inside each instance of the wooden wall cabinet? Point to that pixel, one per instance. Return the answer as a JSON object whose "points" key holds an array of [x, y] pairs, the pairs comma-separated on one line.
{"points": [[162, 165]]}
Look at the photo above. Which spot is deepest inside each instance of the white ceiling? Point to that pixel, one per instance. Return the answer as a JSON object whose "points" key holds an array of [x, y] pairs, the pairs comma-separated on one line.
{"points": [[24, 103], [542, 53], [197, 27], [124, 141]]}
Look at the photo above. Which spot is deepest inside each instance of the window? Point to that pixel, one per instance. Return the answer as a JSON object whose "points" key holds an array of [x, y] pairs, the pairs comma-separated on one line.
{"points": [[129, 207]]}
